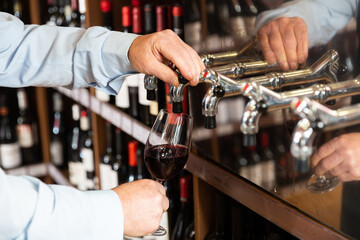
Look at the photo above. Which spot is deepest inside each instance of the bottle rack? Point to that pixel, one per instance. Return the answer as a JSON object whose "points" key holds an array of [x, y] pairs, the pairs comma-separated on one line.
{"points": [[207, 175]]}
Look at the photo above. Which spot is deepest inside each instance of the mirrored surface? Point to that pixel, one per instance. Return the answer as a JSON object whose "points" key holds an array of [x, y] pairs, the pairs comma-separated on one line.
{"points": [[213, 26]]}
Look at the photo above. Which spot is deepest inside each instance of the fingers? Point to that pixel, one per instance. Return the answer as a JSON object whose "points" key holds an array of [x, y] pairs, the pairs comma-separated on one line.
{"points": [[165, 73], [301, 35], [324, 151], [182, 55], [285, 41], [328, 163], [290, 46]]}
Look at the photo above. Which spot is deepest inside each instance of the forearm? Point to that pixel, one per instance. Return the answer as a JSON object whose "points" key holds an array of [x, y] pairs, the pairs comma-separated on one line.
{"points": [[38, 211], [323, 17], [32, 55]]}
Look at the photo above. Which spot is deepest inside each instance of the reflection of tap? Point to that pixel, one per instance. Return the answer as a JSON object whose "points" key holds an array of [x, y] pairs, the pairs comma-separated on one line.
{"points": [[324, 69], [226, 57], [241, 69], [317, 117], [263, 99]]}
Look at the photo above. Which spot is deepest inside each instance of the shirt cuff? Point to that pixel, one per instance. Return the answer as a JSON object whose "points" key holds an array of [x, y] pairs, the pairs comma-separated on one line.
{"points": [[108, 214], [115, 53]]}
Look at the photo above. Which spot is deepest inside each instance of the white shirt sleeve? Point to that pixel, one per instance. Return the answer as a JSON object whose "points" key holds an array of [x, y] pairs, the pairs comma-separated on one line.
{"points": [[33, 55], [323, 17], [31, 209]]}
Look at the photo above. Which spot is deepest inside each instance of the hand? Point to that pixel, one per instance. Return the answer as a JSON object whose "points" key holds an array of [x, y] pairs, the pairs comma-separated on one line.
{"points": [[144, 202], [285, 41], [149, 53], [340, 157]]}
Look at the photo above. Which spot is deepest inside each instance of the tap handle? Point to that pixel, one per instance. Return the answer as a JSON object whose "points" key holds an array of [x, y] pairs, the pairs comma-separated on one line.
{"points": [[210, 122], [219, 91], [249, 140], [181, 78], [342, 70]]}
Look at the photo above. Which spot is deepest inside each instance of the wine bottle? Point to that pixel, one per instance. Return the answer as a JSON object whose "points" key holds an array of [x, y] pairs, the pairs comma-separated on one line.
{"points": [[18, 9], [58, 139], [137, 20], [178, 28], [122, 99], [126, 19], [144, 104], [161, 24], [106, 9], [75, 15], [108, 177], [75, 165], [178, 20], [60, 18], [52, 12], [86, 153], [10, 156], [133, 88], [219, 232], [120, 165], [67, 12], [149, 19], [150, 27], [27, 131], [132, 169], [185, 216], [82, 11]]}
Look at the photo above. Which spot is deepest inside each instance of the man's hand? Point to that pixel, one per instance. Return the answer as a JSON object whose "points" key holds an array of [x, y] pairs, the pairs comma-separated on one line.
{"points": [[285, 41], [150, 53], [144, 202], [340, 157]]}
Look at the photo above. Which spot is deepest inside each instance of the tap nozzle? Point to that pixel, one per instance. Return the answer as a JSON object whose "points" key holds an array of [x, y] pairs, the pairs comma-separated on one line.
{"points": [[210, 122], [177, 93], [150, 83]]}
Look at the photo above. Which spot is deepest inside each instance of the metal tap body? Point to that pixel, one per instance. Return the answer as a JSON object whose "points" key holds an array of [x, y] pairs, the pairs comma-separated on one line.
{"points": [[322, 70], [317, 117]]}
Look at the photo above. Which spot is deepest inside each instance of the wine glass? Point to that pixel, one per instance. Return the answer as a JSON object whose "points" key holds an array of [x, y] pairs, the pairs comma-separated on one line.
{"points": [[321, 183], [167, 148]]}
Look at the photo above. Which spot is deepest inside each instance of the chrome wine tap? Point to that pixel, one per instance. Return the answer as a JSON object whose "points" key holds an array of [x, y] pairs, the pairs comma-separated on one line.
{"points": [[263, 99], [227, 57], [316, 117], [150, 83], [323, 70], [240, 69]]}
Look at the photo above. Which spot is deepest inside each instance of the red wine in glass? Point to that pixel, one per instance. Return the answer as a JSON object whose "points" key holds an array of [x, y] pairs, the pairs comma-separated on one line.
{"points": [[165, 161]]}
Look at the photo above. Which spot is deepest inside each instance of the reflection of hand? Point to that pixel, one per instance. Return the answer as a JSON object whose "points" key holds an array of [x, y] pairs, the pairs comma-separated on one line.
{"points": [[148, 53], [143, 202], [285, 41], [340, 157]]}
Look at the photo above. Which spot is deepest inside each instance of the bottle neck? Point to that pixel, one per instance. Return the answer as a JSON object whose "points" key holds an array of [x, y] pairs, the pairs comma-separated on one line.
{"points": [[108, 138]]}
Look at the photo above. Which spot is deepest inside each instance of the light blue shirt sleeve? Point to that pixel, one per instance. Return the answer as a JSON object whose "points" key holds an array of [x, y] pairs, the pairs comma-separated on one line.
{"points": [[30, 209], [33, 55], [323, 17]]}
